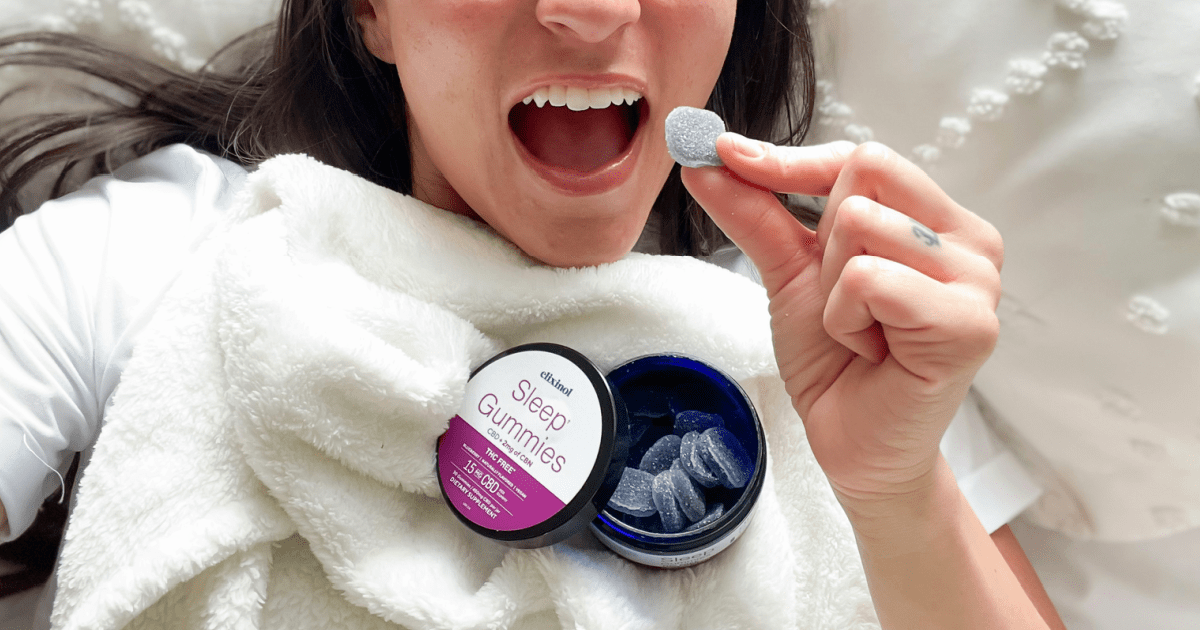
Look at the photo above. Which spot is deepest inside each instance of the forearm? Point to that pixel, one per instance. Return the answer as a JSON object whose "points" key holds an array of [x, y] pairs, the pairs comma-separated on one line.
{"points": [[930, 563]]}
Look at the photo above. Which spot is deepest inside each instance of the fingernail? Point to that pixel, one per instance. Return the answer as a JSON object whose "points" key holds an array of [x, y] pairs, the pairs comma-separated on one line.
{"points": [[752, 149]]}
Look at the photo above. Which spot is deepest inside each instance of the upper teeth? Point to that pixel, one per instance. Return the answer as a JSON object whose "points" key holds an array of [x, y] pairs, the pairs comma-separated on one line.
{"points": [[578, 99]]}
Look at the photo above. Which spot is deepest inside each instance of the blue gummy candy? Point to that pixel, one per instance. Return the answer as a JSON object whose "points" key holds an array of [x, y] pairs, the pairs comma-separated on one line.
{"points": [[692, 136], [726, 457], [634, 494], [666, 503], [659, 457], [687, 421], [714, 513], [693, 463], [689, 495]]}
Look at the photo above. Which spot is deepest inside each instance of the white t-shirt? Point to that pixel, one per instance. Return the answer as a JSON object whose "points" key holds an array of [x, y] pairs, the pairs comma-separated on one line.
{"points": [[85, 273]]}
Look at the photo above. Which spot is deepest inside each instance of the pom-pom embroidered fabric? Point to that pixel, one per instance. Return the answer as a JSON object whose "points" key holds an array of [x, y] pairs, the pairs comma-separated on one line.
{"points": [[1074, 127], [179, 33], [1083, 151]]}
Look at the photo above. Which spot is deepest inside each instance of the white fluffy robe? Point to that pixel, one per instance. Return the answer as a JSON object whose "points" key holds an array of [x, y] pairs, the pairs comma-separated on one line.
{"points": [[269, 459]]}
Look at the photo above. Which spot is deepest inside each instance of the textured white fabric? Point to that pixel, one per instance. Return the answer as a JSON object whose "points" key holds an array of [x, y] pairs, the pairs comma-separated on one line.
{"points": [[180, 33], [1074, 127], [296, 378]]}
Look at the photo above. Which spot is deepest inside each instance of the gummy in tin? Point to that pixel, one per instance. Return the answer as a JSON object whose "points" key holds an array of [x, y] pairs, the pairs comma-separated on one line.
{"points": [[660, 456], [692, 461], [669, 511], [687, 421], [689, 495], [726, 457], [634, 493], [714, 513]]}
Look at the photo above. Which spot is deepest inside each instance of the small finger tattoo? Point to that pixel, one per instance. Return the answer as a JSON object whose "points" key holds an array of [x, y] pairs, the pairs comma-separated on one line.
{"points": [[927, 236]]}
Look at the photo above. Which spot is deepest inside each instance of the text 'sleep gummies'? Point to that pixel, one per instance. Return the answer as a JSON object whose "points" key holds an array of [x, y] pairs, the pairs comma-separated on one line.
{"points": [[692, 136]]}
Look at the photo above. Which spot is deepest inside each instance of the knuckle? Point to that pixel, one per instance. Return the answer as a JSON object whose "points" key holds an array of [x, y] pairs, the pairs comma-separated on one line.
{"points": [[871, 158], [859, 276], [982, 274], [854, 217], [978, 332], [841, 148], [985, 335], [991, 244], [995, 248], [981, 237]]}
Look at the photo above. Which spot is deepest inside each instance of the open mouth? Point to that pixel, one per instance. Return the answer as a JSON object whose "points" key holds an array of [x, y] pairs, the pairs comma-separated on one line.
{"points": [[577, 130]]}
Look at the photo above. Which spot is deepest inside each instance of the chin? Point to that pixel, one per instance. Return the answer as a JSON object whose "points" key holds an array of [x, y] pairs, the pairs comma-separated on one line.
{"points": [[583, 248]]}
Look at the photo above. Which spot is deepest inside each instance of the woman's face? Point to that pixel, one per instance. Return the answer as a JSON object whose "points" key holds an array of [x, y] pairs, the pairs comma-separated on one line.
{"points": [[570, 185]]}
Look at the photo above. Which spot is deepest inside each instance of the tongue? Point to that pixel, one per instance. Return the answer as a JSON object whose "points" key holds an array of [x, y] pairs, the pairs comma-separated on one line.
{"points": [[579, 141]]}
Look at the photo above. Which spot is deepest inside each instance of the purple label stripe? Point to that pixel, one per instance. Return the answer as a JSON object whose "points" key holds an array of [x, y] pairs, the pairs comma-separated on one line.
{"points": [[498, 474], [481, 489], [465, 450]]}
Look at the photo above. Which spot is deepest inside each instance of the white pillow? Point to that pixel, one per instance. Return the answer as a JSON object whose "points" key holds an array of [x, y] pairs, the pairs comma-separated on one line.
{"points": [[1093, 178]]}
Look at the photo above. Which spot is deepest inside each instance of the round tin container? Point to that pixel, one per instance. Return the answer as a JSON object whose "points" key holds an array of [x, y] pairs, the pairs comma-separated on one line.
{"points": [[684, 383], [538, 446], [543, 437]]}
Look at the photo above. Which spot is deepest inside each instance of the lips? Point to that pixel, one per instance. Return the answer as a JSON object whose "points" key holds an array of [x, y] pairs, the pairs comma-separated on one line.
{"points": [[583, 141]]}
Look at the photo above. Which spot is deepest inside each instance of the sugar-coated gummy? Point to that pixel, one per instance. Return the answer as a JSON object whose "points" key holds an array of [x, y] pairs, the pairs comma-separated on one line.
{"points": [[691, 420], [726, 457], [692, 461], [665, 502], [689, 495], [692, 136], [634, 494], [659, 457], [715, 512]]}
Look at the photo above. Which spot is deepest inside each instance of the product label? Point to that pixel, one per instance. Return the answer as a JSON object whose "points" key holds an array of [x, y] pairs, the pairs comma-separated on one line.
{"points": [[523, 444]]}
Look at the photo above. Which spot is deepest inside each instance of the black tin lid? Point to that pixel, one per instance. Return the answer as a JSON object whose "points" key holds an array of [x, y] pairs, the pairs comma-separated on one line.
{"points": [[536, 449]]}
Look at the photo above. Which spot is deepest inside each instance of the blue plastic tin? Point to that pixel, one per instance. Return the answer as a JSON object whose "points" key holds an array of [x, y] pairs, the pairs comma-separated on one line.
{"points": [[647, 384]]}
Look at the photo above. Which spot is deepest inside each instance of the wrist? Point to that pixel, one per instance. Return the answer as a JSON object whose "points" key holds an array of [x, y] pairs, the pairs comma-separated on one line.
{"points": [[910, 515], [930, 564]]}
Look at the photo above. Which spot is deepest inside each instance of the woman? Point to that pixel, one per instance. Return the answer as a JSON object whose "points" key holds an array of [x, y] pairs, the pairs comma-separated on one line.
{"points": [[875, 370]]}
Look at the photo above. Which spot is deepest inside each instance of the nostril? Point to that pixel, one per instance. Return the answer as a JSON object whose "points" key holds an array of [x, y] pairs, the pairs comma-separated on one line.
{"points": [[591, 21]]}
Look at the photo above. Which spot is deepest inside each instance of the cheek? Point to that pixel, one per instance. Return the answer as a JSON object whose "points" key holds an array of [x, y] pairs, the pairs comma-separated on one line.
{"points": [[449, 59], [698, 38]]}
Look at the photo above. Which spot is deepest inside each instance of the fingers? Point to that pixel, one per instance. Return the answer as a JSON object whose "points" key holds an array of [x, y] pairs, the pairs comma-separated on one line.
{"points": [[932, 329], [756, 222], [805, 170], [884, 216], [881, 175], [864, 227], [842, 170]]}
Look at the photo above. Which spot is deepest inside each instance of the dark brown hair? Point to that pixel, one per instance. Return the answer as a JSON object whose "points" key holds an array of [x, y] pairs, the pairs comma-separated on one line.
{"points": [[317, 90]]}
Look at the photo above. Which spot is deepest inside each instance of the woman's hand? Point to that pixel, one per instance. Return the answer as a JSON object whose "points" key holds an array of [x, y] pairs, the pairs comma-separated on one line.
{"points": [[880, 320], [880, 317]]}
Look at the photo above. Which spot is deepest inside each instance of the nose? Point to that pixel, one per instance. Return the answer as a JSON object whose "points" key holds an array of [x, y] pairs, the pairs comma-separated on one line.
{"points": [[591, 21]]}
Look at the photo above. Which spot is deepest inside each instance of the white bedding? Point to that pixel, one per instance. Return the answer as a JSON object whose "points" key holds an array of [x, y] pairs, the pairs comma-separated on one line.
{"points": [[1091, 170]]}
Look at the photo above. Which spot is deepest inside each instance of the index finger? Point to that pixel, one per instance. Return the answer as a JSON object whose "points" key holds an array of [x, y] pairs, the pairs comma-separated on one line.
{"points": [[804, 170]]}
